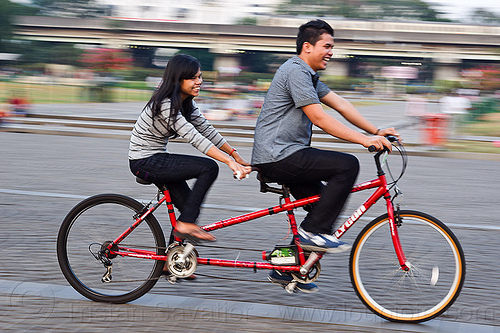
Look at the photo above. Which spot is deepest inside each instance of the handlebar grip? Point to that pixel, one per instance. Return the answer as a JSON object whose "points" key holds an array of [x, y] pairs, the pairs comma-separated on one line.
{"points": [[392, 138], [238, 176]]}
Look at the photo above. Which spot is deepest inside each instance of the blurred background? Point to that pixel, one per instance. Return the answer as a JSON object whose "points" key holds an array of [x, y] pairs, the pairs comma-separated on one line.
{"points": [[441, 58]]}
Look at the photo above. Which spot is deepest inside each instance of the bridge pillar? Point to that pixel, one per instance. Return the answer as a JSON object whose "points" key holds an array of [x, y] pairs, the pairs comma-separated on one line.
{"points": [[337, 68], [227, 60], [447, 67], [229, 64]]}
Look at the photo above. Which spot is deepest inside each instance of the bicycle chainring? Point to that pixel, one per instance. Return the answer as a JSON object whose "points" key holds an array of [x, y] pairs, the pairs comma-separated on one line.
{"points": [[177, 266]]}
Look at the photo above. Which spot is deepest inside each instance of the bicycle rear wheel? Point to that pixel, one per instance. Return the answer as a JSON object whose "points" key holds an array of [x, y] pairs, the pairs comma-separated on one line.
{"points": [[435, 259], [92, 223]]}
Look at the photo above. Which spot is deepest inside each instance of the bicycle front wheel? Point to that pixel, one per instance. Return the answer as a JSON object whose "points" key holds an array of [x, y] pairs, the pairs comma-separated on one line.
{"points": [[95, 222], [436, 268]]}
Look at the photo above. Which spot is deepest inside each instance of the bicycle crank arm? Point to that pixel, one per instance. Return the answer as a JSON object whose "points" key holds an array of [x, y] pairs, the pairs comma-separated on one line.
{"points": [[187, 251], [313, 258]]}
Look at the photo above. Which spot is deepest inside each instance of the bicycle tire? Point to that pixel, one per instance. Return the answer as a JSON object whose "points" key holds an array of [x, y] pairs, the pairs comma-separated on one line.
{"points": [[434, 256], [103, 218]]}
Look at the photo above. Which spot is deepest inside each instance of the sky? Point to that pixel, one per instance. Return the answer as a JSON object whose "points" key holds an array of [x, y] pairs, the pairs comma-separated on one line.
{"points": [[459, 8], [456, 9]]}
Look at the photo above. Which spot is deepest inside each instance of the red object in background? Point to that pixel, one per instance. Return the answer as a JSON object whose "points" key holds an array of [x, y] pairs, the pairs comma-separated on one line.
{"points": [[435, 126]]}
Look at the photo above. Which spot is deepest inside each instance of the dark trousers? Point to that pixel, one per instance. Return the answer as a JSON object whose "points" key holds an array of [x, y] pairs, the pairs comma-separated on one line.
{"points": [[303, 173], [172, 170]]}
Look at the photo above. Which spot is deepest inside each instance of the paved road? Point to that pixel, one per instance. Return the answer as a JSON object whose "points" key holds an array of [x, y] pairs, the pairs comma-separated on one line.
{"points": [[42, 177]]}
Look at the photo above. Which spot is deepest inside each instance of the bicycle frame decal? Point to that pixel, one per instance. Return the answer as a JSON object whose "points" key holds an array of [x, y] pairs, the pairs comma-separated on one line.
{"points": [[350, 221]]}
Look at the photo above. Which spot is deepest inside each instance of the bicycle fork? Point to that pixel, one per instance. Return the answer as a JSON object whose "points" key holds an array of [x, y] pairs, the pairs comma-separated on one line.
{"points": [[405, 265]]}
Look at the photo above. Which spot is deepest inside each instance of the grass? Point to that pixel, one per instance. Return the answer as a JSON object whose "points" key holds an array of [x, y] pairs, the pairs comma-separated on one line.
{"points": [[472, 147], [489, 125], [359, 103], [49, 93]]}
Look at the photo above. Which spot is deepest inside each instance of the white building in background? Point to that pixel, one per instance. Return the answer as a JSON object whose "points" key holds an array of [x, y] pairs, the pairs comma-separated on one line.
{"points": [[194, 11]]}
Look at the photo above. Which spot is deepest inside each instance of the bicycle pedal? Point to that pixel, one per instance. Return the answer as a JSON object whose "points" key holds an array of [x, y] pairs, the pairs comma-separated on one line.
{"points": [[172, 279]]}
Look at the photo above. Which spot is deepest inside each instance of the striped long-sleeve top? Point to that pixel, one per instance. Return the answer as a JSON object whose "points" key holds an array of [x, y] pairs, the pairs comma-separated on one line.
{"points": [[150, 134]]}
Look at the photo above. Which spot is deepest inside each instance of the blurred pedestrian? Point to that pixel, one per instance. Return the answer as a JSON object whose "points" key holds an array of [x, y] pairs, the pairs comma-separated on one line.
{"points": [[19, 105], [457, 107], [415, 108], [4, 113]]}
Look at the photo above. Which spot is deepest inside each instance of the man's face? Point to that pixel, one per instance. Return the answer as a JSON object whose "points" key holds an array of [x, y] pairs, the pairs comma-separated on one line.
{"points": [[318, 55]]}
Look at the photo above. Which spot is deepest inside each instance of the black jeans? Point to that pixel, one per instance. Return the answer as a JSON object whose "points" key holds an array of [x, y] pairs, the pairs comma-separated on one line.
{"points": [[172, 170], [303, 173]]}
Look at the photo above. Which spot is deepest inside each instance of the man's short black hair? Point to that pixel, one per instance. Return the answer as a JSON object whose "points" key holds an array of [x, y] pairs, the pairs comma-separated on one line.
{"points": [[311, 32]]}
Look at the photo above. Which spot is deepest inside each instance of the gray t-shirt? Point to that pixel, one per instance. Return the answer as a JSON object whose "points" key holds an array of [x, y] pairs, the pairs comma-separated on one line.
{"points": [[282, 127]]}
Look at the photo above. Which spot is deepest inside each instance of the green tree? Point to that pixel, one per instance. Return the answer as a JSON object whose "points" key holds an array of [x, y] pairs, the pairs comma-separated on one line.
{"points": [[5, 24], [51, 52], [205, 57], [74, 8], [483, 16], [408, 10]]}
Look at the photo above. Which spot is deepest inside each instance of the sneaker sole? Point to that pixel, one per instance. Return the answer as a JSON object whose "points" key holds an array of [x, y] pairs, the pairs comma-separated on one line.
{"points": [[278, 281], [284, 284], [339, 249], [308, 291]]}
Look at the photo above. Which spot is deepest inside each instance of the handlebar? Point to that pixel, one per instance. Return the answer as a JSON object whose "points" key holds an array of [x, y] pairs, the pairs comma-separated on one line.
{"points": [[391, 138]]}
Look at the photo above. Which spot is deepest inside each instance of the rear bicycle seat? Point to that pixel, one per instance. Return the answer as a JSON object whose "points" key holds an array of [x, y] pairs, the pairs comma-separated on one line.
{"points": [[142, 181]]}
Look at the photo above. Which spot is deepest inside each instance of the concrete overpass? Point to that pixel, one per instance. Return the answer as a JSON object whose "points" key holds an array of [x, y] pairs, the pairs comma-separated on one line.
{"points": [[446, 45]]}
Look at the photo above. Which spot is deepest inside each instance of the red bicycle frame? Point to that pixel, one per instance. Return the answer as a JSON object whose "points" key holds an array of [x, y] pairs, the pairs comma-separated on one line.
{"points": [[382, 190]]}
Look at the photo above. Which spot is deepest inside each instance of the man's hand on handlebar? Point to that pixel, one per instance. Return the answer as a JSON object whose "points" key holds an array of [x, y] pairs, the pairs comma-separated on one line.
{"points": [[388, 131], [379, 141]]}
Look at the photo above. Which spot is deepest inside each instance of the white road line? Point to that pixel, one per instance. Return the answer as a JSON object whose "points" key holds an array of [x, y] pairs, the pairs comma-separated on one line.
{"points": [[227, 207]]}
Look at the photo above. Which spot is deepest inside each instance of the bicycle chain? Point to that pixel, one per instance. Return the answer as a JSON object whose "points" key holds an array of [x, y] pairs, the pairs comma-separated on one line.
{"points": [[231, 279], [199, 274]]}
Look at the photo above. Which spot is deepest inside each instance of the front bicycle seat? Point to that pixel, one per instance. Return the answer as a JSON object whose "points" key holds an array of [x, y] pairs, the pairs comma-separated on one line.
{"points": [[264, 181]]}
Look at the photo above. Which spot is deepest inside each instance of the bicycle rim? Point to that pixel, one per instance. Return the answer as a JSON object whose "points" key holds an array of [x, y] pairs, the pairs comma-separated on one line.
{"points": [[435, 277], [94, 222]]}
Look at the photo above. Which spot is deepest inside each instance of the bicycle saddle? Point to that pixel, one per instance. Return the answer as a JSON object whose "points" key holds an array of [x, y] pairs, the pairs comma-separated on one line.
{"points": [[264, 181], [142, 181]]}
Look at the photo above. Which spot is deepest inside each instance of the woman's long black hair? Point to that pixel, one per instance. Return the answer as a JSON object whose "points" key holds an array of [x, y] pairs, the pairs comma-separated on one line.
{"points": [[180, 67]]}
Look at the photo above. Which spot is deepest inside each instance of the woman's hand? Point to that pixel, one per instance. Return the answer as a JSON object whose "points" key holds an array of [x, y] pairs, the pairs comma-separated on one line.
{"points": [[239, 171]]}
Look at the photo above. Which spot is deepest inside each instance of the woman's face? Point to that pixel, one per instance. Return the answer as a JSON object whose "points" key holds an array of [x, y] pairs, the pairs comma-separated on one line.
{"points": [[191, 86]]}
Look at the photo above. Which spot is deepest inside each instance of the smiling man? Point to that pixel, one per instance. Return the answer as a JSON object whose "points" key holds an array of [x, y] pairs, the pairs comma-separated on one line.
{"points": [[283, 136]]}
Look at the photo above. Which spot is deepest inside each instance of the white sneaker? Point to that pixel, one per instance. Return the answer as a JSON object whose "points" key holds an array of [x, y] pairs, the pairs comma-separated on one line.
{"points": [[321, 242]]}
